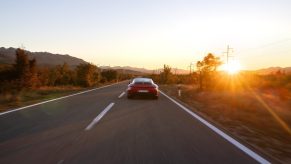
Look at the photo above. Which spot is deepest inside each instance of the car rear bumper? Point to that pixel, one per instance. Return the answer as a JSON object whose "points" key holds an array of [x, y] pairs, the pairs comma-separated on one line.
{"points": [[150, 91]]}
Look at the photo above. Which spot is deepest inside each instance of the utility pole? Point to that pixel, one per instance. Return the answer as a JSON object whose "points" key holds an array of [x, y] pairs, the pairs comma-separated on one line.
{"points": [[190, 66], [189, 69], [22, 46], [228, 53]]}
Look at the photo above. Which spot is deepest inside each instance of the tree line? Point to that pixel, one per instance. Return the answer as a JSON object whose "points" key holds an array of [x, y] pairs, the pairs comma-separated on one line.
{"points": [[207, 77], [204, 76], [25, 73]]}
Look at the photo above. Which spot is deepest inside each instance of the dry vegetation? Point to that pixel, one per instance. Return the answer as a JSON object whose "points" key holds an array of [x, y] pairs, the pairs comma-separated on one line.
{"points": [[25, 82], [250, 114], [30, 96], [253, 107]]}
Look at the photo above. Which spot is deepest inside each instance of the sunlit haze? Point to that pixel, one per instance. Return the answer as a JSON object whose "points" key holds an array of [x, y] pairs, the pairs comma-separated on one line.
{"points": [[232, 67], [152, 33]]}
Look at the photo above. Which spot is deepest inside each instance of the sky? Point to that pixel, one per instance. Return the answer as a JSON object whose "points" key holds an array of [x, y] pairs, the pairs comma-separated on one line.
{"points": [[150, 33]]}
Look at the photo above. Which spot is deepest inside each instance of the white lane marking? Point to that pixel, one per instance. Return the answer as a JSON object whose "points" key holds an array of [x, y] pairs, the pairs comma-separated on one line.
{"points": [[98, 118], [221, 133], [17, 109], [121, 94]]}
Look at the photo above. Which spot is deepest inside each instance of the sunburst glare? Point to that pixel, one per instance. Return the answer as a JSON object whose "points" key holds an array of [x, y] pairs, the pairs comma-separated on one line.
{"points": [[233, 67]]}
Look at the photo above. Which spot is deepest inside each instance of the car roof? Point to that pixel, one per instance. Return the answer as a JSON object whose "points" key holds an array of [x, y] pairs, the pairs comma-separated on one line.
{"points": [[142, 79]]}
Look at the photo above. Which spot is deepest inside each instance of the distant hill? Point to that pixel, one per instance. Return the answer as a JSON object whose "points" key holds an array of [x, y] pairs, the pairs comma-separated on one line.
{"points": [[143, 70], [128, 68], [7, 56], [132, 72], [271, 70]]}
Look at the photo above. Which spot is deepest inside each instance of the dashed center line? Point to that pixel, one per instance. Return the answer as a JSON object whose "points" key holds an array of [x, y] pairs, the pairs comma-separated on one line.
{"points": [[98, 118], [121, 94]]}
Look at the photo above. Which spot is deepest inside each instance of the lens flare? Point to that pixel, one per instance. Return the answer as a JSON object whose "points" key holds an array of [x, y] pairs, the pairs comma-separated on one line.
{"points": [[232, 67]]}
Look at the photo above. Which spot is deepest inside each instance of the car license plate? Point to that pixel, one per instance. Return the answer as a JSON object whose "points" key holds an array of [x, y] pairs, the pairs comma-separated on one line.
{"points": [[143, 91]]}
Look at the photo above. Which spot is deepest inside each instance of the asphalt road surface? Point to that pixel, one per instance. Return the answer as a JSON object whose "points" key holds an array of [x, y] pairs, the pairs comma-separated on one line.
{"points": [[103, 126]]}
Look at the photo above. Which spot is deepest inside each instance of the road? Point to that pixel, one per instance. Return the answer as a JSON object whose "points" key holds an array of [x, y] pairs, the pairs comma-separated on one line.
{"points": [[103, 126]]}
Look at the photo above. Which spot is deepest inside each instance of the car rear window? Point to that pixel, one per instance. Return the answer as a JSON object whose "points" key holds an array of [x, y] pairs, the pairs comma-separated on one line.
{"points": [[143, 81]]}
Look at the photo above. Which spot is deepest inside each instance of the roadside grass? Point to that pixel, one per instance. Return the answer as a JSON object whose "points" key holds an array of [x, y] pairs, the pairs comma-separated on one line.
{"points": [[31, 96], [243, 113], [26, 97]]}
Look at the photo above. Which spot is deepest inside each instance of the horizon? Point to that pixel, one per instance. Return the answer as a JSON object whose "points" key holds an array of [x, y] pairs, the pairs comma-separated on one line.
{"points": [[153, 33], [149, 69]]}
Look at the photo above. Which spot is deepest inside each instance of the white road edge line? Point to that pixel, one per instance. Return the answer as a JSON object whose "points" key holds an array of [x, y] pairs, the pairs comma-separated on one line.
{"points": [[98, 118], [121, 94], [221, 133], [17, 109]]}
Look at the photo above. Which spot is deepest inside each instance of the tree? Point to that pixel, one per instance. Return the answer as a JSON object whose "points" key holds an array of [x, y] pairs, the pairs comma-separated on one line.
{"points": [[44, 76], [60, 75], [65, 75], [166, 74], [33, 73], [207, 69], [199, 66], [25, 69], [87, 74], [109, 75], [53, 76]]}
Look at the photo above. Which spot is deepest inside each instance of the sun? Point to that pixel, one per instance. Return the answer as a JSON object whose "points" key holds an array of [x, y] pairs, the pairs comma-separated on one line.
{"points": [[233, 67]]}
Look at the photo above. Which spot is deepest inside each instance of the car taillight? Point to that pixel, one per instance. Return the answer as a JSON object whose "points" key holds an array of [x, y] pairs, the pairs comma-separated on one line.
{"points": [[130, 87]]}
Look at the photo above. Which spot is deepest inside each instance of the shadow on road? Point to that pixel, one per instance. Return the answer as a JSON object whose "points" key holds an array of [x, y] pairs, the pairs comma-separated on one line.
{"points": [[142, 97]]}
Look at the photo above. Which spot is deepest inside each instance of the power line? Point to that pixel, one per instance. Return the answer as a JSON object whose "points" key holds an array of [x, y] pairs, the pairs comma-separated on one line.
{"points": [[265, 45]]}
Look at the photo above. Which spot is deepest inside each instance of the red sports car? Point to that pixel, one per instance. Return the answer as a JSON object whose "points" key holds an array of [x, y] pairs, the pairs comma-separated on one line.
{"points": [[142, 86]]}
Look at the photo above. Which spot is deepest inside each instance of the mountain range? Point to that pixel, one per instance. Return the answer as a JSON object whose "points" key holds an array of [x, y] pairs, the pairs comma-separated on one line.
{"points": [[7, 56], [272, 70], [143, 70]]}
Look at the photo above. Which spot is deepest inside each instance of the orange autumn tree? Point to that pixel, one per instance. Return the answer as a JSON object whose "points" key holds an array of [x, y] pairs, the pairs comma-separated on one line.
{"points": [[207, 69]]}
